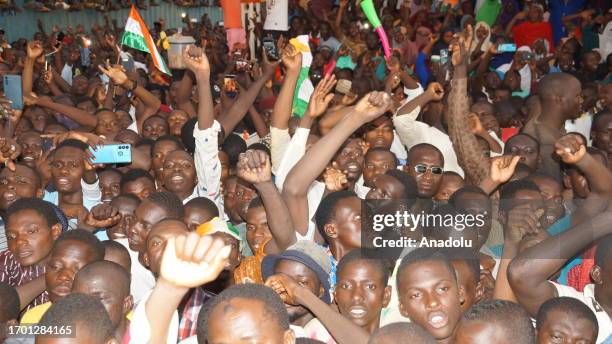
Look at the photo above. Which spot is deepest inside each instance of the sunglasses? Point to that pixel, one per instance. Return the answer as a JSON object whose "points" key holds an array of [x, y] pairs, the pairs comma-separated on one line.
{"points": [[420, 169]]}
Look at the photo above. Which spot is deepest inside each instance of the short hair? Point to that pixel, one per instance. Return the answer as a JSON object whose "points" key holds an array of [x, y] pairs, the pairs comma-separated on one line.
{"points": [[407, 181], [362, 255], [512, 317], [233, 145], [603, 250], [454, 199], [325, 211], [510, 189], [272, 304], [111, 170], [380, 150], [304, 340], [599, 118], [170, 138], [43, 208], [170, 203], [187, 134], [84, 237], [145, 142], [553, 84], [74, 144], [425, 146], [80, 309], [423, 254], [256, 203], [9, 302], [416, 333], [155, 117], [127, 196], [112, 245], [120, 276], [134, 174], [204, 204], [464, 254], [567, 305]]}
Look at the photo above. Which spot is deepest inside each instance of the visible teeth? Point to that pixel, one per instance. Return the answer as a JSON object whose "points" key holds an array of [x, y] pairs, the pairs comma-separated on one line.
{"points": [[437, 319]]}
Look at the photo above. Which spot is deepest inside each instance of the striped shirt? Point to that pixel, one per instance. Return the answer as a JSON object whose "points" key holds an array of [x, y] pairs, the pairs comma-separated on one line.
{"points": [[14, 274]]}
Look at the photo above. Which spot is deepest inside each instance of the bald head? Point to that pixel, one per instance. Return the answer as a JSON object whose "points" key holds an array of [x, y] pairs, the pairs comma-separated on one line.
{"points": [[417, 151], [556, 84]]}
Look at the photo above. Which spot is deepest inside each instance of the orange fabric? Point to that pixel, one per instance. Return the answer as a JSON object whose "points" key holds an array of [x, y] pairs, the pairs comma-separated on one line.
{"points": [[231, 14]]}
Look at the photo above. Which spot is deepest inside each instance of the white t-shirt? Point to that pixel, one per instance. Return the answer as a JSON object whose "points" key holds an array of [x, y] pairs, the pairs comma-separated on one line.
{"points": [[588, 298], [142, 278]]}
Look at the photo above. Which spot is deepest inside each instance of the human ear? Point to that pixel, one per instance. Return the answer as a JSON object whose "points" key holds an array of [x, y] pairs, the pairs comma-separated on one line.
{"points": [[40, 193], [128, 304], [402, 310], [330, 230], [145, 260], [480, 292], [387, 296], [56, 230], [289, 337], [567, 182], [596, 274], [461, 293]]}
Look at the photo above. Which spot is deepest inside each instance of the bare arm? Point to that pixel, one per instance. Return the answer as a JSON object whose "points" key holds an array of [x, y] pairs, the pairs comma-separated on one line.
{"points": [[318, 156], [82, 117], [292, 60], [258, 122], [469, 152], [29, 291], [237, 111]]}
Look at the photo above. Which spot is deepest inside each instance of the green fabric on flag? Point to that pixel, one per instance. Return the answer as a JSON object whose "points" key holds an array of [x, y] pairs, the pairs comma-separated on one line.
{"points": [[135, 41], [300, 105]]}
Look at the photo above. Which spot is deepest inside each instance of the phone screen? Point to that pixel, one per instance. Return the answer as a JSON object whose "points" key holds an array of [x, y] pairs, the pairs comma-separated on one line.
{"points": [[229, 85], [270, 48], [13, 91]]}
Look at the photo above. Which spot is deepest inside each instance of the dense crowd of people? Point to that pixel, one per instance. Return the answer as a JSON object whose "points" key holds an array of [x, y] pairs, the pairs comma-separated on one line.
{"points": [[268, 192]]}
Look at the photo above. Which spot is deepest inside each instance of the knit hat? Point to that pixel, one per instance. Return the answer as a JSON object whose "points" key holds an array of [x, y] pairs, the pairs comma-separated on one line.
{"points": [[311, 255]]}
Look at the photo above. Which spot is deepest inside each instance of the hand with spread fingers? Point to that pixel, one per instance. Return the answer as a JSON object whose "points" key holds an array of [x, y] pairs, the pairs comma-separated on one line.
{"points": [[321, 97]]}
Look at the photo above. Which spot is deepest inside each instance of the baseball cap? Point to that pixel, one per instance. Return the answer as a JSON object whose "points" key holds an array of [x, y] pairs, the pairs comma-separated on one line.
{"points": [[313, 256]]}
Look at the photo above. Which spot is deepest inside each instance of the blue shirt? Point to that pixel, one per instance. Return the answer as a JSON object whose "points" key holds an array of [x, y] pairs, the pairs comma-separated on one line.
{"points": [[558, 10]]}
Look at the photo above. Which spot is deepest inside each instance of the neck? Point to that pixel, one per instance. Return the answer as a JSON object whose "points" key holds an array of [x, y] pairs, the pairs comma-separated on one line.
{"points": [[338, 250], [550, 117], [303, 320], [373, 326], [120, 330], [604, 299], [71, 198], [184, 194]]}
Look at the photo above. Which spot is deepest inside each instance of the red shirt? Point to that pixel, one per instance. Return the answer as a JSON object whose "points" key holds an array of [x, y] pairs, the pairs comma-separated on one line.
{"points": [[527, 32]]}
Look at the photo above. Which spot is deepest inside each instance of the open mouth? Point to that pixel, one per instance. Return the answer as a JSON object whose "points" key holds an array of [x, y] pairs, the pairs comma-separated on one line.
{"points": [[177, 178], [437, 319], [353, 167], [28, 158], [63, 181], [358, 311], [9, 196]]}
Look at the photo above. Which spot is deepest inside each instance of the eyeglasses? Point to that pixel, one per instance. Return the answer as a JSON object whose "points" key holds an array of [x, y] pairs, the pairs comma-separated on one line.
{"points": [[420, 169]]}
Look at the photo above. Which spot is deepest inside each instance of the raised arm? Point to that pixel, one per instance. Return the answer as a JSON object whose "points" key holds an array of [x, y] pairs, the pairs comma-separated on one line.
{"points": [[188, 261], [340, 327], [597, 174], [150, 103], [82, 117], [254, 167], [34, 50], [292, 60], [237, 111], [318, 156], [529, 272], [469, 152], [197, 62]]}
